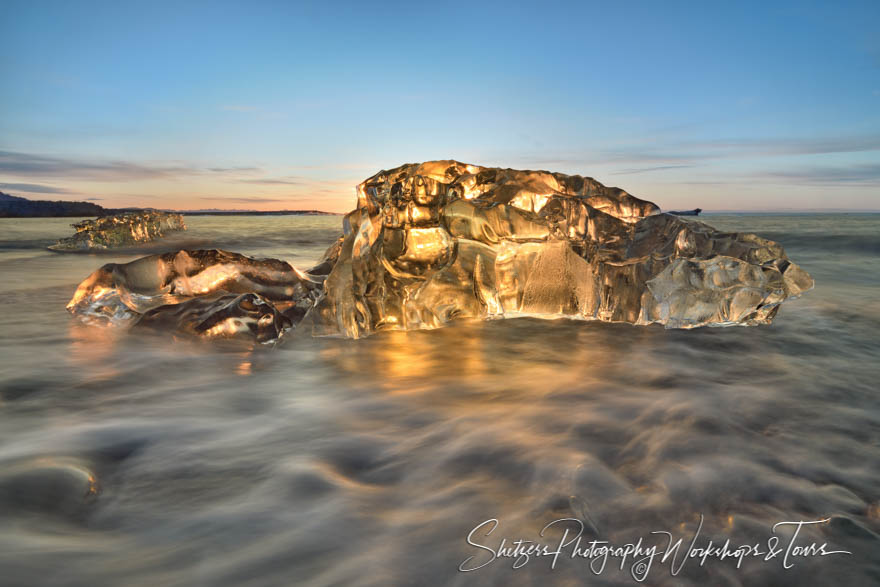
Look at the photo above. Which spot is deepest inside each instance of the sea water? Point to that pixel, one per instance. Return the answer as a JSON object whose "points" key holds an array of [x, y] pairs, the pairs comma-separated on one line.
{"points": [[408, 457]]}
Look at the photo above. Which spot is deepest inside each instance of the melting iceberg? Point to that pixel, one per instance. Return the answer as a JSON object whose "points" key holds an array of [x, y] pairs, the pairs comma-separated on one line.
{"points": [[440, 241]]}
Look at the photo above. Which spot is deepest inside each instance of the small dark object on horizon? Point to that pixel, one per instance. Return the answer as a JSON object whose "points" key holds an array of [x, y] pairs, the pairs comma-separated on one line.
{"points": [[694, 212]]}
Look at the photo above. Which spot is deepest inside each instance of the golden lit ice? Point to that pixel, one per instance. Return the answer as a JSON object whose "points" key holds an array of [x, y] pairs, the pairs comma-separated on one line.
{"points": [[440, 241], [121, 230]]}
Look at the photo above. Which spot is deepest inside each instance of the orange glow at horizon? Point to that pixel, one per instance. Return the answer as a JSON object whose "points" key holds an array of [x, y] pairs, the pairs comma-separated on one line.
{"points": [[205, 193]]}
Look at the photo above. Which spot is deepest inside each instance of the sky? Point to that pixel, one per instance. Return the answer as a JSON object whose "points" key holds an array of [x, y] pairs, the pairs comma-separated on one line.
{"points": [[288, 105]]}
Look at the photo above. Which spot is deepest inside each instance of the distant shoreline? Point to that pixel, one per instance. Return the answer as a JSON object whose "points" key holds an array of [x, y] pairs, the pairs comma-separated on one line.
{"points": [[19, 207]]}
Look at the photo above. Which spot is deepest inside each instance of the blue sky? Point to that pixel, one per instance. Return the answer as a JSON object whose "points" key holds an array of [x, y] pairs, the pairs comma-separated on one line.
{"points": [[268, 105]]}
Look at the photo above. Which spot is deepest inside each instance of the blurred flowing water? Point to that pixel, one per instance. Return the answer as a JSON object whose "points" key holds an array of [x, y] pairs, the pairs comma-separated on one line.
{"points": [[145, 460]]}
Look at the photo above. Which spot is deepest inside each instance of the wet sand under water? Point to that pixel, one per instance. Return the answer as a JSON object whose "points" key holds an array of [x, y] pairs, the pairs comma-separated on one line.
{"points": [[142, 460]]}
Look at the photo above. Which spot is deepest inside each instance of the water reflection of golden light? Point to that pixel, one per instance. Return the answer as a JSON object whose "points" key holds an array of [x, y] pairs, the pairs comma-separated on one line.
{"points": [[72, 469], [244, 368], [407, 360], [92, 346], [93, 485], [468, 354]]}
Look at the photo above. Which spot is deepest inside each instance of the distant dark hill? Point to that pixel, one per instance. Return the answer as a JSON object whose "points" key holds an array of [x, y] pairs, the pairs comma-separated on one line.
{"points": [[16, 207]]}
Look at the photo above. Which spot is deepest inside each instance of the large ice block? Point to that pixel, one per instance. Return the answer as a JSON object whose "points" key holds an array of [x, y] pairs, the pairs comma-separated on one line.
{"points": [[439, 241]]}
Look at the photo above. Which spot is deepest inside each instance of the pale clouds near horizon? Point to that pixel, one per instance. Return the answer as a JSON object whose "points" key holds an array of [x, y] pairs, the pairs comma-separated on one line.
{"points": [[731, 175], [733, 106]]}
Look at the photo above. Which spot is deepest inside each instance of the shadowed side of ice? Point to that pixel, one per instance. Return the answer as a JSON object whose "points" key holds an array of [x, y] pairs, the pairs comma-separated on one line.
{"points": [[440, 241], [207, 292]]}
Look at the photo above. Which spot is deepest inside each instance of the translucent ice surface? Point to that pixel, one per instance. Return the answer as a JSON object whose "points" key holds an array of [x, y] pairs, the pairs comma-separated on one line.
{"points": [[121, 230], [440, 241]]}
